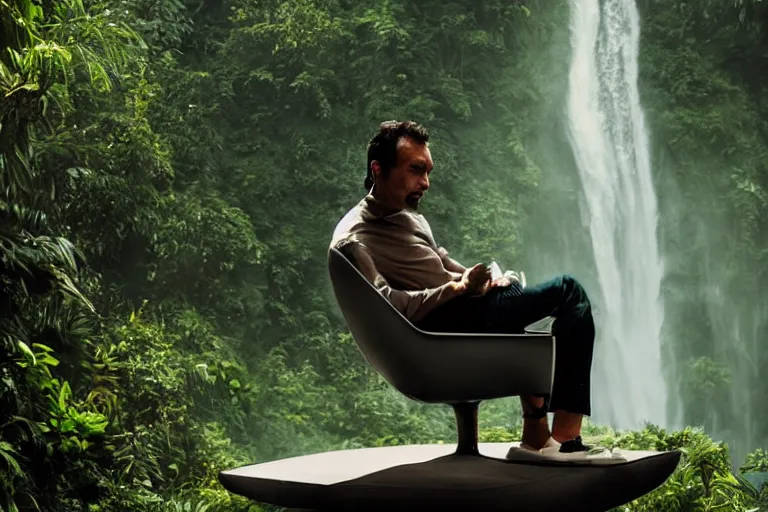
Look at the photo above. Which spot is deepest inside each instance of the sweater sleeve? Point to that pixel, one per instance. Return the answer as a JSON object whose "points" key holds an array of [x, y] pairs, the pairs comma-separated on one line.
{"points": [[449, 263], [413, 304]]}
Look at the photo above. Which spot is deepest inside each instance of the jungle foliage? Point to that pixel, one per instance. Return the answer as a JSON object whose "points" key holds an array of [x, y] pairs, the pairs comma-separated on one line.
{"points": [[171, 172]]}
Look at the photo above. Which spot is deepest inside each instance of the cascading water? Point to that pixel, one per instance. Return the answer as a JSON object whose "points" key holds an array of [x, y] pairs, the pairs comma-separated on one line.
{"points": [[609, 141]]}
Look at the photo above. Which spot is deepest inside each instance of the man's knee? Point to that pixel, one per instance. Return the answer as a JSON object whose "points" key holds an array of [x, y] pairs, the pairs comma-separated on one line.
{"points": [[574, 292], [571, 282]]}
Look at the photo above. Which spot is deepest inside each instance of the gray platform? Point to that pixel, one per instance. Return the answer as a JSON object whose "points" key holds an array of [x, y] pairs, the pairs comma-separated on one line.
{"points": [[432, 477]]}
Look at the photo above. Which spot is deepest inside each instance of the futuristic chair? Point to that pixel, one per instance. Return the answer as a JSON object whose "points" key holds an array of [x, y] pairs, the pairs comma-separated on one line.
{"points": [[460, 370]]}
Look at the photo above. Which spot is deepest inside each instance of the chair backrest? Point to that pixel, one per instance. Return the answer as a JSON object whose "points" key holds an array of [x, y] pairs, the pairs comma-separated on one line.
{"points": [[387, 340]]}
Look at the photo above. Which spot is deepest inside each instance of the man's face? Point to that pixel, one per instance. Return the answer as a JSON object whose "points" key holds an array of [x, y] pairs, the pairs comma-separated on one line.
{"points": [[409, 178]]}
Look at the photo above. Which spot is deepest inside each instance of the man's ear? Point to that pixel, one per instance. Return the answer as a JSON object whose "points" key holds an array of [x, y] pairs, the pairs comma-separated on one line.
{"points": [[375, 169]]}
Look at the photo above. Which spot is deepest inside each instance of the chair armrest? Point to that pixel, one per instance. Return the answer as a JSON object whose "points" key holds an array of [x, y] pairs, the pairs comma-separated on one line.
{"points": [[543, 326], [454, 367]]}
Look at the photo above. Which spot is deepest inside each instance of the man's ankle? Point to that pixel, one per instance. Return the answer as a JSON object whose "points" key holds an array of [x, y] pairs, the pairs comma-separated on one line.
{"points": [[535, 433], [533, 443], [564, 438], [539, 444]]}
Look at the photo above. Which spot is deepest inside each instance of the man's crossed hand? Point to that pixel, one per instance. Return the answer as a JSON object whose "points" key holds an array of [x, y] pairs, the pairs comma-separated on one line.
{"points": [[477, 280]]}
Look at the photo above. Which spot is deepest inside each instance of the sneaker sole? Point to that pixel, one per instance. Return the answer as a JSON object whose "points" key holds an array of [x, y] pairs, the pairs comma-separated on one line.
{"points": [[517, 454]]}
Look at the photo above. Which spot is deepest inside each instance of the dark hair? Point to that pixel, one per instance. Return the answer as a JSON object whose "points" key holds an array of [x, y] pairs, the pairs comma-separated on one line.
{"points": [[383, 146]]}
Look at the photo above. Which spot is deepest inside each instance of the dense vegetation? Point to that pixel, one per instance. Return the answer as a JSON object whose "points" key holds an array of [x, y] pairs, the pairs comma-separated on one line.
{"points": [[171, 172]]}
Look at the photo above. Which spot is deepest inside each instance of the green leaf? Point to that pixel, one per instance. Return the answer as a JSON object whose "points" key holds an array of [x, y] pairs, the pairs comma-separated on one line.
{"points": [[68, 425], [65, 394], [27, 352]]}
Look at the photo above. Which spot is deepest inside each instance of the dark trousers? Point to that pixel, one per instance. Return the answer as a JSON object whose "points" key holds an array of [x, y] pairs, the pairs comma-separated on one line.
{"points": [[509, 310]]}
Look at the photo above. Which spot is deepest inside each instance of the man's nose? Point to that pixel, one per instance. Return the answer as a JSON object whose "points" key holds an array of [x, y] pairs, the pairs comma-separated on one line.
{"points": [[425, 182]]}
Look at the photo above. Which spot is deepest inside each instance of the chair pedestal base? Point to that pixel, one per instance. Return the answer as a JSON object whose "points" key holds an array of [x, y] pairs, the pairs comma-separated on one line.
{"points": [[466, 423]]}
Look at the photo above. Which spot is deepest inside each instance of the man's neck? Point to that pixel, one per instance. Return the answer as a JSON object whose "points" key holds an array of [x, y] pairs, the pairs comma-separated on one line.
{"points": [[384, 203]]}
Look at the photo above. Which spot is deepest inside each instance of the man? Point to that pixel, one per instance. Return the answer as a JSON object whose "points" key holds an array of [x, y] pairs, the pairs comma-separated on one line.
{"points": [[394, 248]]}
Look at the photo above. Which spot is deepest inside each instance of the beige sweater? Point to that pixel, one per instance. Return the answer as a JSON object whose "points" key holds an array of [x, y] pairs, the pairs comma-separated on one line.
{"points": [[396, 252]]}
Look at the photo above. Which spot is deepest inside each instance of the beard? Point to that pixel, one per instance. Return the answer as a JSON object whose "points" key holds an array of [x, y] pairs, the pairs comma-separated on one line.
{"points": [[413, 201]]}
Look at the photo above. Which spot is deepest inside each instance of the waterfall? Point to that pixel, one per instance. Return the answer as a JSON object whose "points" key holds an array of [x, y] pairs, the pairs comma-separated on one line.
{"points": [[610, 144]]}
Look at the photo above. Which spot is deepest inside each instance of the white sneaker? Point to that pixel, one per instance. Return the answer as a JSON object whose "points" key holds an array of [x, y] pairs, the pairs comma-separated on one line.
{"points": [[571, 451]]}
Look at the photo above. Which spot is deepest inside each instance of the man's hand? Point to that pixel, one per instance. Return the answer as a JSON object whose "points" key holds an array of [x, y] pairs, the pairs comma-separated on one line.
{"points": [[502, 282], [509, 278], [475, 281]]}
